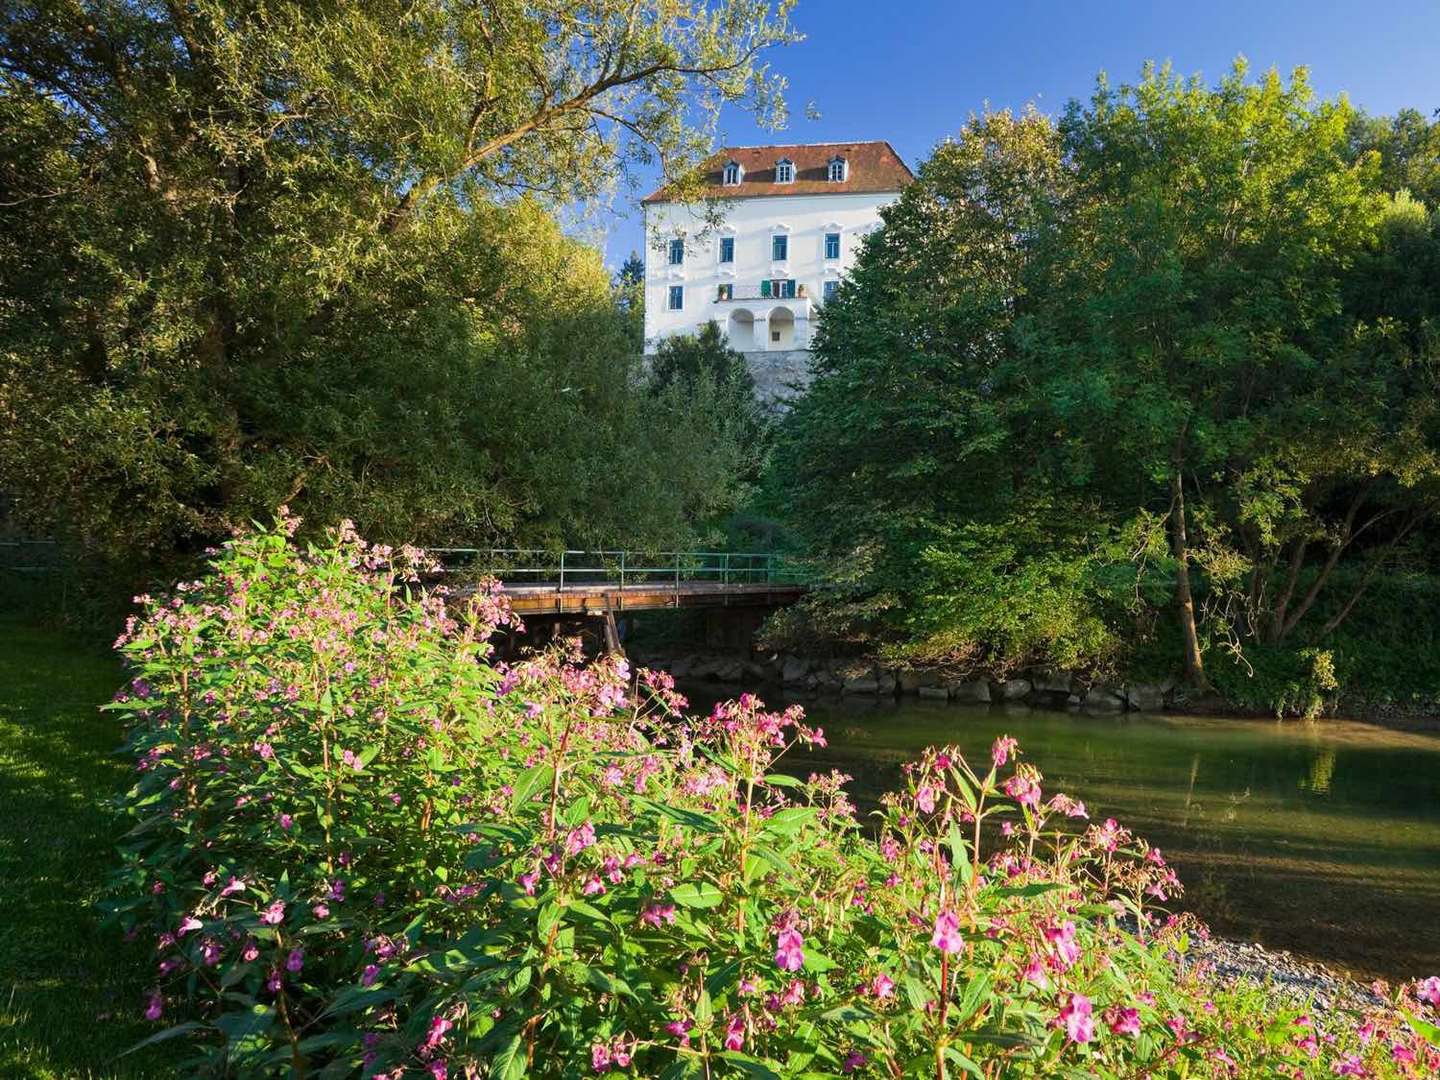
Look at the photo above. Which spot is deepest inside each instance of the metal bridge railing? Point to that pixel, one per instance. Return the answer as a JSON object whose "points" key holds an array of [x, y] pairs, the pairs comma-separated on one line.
{"points": [[575, 569]]}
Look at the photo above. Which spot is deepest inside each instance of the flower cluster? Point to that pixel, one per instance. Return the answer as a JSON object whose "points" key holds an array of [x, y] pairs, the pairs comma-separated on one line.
{"points": [[366, 847]]}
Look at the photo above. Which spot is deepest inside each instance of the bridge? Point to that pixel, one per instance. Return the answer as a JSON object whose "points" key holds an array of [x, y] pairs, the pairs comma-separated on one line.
{"points": [[608, 583]]}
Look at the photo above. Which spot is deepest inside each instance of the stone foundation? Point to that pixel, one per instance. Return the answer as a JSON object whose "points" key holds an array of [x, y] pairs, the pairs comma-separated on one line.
{"points": [[778, 375]]}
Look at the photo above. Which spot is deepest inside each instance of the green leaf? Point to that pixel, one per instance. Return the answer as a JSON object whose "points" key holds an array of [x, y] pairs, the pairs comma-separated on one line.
{"points": [[168, 1033], [528, 783], [697, 895], [781, 780], [509, 1062], [789, 821], [750, 1066]]}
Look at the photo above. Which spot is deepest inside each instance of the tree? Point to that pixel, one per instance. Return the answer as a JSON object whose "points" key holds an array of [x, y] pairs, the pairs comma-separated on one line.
{"points": [[305, 252], [1128, 349]]}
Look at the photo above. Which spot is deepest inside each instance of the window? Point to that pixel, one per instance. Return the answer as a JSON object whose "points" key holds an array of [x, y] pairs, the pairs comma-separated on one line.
{"points": [[828, 289], [725, 292], [677, 297], [727, 249], [778, 288], [677, 252], [733, 174], [780, 248], [839, 170], [832, 245], [784, 171]]}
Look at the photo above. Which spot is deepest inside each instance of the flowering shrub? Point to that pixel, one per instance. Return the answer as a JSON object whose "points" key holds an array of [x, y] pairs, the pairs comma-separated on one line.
{"points": [[363, 847]]}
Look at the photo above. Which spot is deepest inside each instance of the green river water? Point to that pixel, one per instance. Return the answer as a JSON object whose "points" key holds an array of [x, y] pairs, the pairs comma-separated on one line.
{"points": [[1322, 838]]}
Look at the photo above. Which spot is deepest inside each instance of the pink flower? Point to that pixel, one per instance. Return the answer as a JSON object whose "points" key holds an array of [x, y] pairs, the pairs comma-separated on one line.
{"points": [[947, 937], [1001, 750], [1122, 1021], [925, 799], [1429, 990], [1023, 790], [155, 1007], [1063, 944], [437, 1069], [250, 951], [1350, 1065], [321, 911], [190, 923], [369, 975], [295, 961], [854, 1060], [1035, 973], [527, 882], [210, 952], [286, 821], [789, 955], [593, 886], [882, 986], [235, 886], [274, 915], [657, 914], [436, 1035], [735, 1032], [681, 1030], [599, 1057], [1075, 1014], [579, 839]]}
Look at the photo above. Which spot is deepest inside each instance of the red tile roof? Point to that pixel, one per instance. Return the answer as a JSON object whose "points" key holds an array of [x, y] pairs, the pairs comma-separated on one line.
{"points": [[872, 167]]}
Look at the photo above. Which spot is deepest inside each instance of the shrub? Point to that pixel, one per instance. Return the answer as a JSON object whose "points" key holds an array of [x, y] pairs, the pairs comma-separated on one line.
{"points": [[364, 847]]}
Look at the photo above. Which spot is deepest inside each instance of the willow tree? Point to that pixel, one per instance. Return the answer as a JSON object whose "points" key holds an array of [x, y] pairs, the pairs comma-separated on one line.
{"points": [[255, 252]]}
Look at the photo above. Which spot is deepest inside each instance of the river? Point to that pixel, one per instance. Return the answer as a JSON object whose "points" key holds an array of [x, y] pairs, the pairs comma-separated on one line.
{"points": [[1322, 838]]}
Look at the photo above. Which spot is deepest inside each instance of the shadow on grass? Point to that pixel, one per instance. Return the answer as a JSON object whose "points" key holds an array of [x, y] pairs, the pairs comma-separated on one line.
{"points": [[71, 992]]}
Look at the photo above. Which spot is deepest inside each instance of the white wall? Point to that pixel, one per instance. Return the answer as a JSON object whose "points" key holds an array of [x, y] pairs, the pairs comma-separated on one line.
{"points": [[752, 222]]}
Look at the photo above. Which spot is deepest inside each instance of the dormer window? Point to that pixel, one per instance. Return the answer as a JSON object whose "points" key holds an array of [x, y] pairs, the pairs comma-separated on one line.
{"points": [[839, 170], [784, 171], [733, 174]]}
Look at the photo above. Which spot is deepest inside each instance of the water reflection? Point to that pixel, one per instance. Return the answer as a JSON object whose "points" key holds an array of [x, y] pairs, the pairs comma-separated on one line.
{"points": [[1321, 838]]}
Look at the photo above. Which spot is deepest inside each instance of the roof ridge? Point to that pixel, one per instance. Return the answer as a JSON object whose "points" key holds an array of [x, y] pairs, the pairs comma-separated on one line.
{"points": [[831, 142]]}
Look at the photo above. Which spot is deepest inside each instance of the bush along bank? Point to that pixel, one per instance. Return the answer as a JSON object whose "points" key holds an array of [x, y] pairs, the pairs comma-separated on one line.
{"points": [[364, 849]]}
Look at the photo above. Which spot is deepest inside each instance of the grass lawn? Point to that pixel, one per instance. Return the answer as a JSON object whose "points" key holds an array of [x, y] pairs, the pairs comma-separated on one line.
{"points": [[71, 992]]}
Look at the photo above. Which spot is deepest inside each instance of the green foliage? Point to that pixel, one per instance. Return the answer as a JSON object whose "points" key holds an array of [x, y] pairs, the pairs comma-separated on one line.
{"points": [[364, 849], [307, 253], [1174, 350]]}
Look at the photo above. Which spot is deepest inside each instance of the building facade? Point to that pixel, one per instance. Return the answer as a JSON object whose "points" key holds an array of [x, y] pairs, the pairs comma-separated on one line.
{"points": [[794, 217]]}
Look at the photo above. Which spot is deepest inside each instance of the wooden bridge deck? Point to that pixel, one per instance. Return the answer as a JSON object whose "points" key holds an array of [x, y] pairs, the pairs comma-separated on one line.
{"points": [[595, 598]]}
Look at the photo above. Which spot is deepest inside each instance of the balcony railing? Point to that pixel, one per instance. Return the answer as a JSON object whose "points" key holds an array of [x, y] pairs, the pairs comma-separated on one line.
{"points": [[771, 290]]}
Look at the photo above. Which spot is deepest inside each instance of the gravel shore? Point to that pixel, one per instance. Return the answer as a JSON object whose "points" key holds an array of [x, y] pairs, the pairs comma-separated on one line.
{"points": [[1286, 974]]}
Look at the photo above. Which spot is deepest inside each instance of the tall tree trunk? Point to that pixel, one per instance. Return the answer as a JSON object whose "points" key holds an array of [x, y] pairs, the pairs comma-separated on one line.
{"points": [[1180, 548]]}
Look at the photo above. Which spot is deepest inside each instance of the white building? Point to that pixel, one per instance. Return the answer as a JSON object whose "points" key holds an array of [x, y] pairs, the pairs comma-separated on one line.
{"points": [[793, 220]]}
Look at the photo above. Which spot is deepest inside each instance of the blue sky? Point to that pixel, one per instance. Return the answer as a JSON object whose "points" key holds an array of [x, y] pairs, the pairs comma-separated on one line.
{"points": [[911, 72]]}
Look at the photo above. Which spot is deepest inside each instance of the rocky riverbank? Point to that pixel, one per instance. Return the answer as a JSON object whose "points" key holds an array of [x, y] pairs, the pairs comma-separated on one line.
{"points": [[840, 676]]}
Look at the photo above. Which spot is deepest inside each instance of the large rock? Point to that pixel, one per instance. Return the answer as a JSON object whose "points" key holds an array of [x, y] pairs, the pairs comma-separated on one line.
{"points": [[728, 669], [1147, 697], [865, 685], [794, 670], [826, 679], [934, 693], [1015, 689], [911, 681], [1053, 682], [975, 692], [1104, 699], [885, 683]]}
